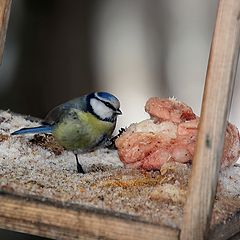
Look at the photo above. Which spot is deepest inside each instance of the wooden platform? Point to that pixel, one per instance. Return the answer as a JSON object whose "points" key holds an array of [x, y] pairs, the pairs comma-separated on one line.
{"points": [[54, 220], [66, 220], [41, 192]]}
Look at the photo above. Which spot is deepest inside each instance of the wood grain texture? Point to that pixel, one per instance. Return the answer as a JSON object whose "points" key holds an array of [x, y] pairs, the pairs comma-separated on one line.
{"points": [[226, 231], [215, 107], [58, 222], [235, 237], [5, 6]]}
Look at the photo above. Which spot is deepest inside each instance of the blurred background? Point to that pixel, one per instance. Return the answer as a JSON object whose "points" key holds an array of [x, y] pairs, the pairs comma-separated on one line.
{"points": [[57, 50]]}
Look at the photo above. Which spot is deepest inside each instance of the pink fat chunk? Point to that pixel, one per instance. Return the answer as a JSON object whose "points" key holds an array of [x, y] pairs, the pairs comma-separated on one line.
{"points": [[169, 135]]}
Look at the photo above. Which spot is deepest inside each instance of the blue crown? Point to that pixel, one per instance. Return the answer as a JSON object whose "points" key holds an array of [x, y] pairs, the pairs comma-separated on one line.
{"points": [[105, 95]]}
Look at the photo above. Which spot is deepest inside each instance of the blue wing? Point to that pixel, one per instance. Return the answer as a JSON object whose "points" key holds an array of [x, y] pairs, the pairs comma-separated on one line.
{"points": [[54, 116], [40, 129], [57, 113]]}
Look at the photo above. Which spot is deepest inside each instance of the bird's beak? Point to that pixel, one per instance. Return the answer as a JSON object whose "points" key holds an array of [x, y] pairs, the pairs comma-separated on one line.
{"points": [[118, 112]]}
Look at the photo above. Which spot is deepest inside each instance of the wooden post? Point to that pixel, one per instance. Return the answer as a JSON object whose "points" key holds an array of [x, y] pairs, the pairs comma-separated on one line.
{"points": [[215, 107], [5, 6]]}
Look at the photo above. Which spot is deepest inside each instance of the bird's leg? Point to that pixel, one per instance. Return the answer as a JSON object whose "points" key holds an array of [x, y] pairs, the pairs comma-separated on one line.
{"points": [[79, 167]]}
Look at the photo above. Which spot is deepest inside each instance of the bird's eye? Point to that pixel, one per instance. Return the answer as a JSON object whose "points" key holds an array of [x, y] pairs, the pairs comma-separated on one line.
{"points": [[109, 105]]}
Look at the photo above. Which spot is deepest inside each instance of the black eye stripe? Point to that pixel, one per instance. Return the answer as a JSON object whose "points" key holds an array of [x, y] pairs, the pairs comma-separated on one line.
{"points": [[109, 105]]}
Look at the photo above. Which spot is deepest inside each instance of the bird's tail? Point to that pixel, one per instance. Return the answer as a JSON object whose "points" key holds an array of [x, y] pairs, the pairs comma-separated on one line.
{"points": [[40, 129]]}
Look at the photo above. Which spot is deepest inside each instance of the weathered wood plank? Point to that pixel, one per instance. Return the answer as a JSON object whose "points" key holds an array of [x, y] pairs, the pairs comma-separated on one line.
{"points": [[57, 221], [215, 107], [235, 237], [5, 6], [226, 231], [51, 221]]}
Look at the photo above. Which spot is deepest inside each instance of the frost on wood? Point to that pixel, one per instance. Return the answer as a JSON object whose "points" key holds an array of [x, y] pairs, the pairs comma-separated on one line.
{"points": [[36, 166]]}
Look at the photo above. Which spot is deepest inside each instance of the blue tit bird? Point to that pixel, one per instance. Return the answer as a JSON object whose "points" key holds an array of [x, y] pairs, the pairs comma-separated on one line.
{"points": [[81, 124]]}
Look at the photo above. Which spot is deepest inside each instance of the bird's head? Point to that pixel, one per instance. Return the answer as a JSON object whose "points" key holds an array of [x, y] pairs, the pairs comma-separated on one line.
{"points": [[104, 106]]}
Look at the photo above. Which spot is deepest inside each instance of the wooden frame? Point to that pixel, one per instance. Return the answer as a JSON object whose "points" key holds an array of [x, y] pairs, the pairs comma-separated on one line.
{"points": [[30, 215], [5, 6], [55, 220], [215, 108]]}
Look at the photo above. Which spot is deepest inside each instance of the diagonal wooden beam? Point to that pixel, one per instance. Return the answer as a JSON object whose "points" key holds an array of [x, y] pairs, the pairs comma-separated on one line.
{"points": [[215, 108], [5, 6]]}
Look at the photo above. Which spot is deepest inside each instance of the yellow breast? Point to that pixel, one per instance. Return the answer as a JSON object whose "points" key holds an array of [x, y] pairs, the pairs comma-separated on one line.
{"points": [[83, 132]]}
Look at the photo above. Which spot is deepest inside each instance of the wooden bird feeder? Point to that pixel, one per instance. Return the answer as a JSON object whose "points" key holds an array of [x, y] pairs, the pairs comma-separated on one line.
{"points": [[64, 219]]}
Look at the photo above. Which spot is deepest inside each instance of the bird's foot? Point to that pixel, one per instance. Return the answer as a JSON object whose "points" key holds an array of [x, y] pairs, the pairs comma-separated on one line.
{"points": [[79, 166], [110, 144], [80, 169]]}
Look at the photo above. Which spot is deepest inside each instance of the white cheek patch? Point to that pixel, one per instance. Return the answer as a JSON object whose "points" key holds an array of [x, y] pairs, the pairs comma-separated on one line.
{"points": [[101, 109]]}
